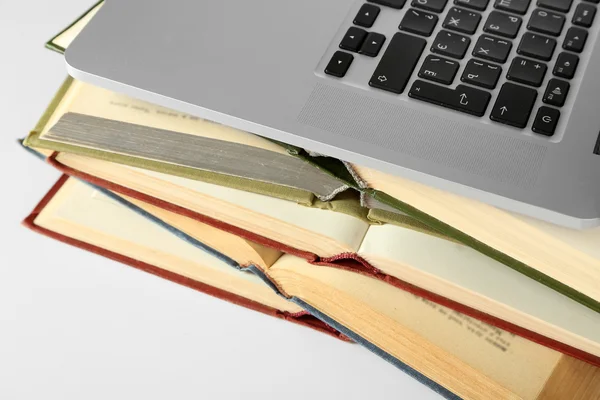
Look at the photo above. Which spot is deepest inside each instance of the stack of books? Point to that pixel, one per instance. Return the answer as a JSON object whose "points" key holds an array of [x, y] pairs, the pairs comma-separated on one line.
{"points": [[473, 301]]}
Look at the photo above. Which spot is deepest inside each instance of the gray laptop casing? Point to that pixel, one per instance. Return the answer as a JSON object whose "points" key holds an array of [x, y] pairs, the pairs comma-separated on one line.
{"points": [[258, 66]]}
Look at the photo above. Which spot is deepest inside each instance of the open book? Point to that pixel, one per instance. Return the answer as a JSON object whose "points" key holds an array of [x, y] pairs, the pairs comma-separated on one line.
{"points": [[441, 270], [565, 260], [402, 249], [452, 353], [104, 226]]}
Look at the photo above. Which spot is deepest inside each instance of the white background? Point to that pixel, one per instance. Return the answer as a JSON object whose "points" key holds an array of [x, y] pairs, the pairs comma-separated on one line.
{"points": [[77, 326]]}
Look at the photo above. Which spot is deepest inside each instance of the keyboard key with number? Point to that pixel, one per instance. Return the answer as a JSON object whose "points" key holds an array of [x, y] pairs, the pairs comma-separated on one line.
{"points": [[545, 121], [397, 4], [339, 64], [419, 22], [536, 46], [527, 71], [546, 22], [353, 39], [430, 5], [367, 15], [481, 73], [398, 62], [575, 39], [513, 105], [439, 69], [462, 20], [584, 15], [515, 6], [372, 44], [478, 5], [558, 5], [502, 24], [565, 65], [463, 98], [450, 44], [556, 92], [491, 48]]}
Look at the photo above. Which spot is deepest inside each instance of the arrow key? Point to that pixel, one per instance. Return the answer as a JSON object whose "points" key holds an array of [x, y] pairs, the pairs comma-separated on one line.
{"points": [[372, 44], [353, 39], [514, 104], [367, 15], [339, 64]]}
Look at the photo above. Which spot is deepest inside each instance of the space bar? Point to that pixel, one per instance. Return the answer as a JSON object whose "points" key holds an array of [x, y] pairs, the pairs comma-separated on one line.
{"points": [[398, 63]]}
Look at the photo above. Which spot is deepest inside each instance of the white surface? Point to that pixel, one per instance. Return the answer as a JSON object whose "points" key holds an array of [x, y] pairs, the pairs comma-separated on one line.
{"points": [[77, 326]]}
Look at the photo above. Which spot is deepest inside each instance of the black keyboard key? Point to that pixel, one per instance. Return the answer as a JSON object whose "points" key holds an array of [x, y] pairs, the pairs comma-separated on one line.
{"points": [[398, 62], [439, 69], [513, 105], [430, 5], [419, 22], [478, 5], [565, 65], [546, 22], [397, 4], [575, 39], [367, 15], [545, 121], [463, 98], [558, 5], [502, 24], [584, 15], [462, 20], [556, 92], [515, 6], [339, 64], [527, 71], [536, 46], [491, 48], [353, 39], [372, 44], [450, 44], [481, 73]]}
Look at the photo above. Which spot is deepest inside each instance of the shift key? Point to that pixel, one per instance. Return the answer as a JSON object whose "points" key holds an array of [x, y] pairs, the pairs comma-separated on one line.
{"points": [[398, 63], [464, 98]]}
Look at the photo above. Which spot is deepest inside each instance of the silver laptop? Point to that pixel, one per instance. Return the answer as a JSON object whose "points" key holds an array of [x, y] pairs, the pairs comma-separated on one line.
{"points": [[498, 100]]}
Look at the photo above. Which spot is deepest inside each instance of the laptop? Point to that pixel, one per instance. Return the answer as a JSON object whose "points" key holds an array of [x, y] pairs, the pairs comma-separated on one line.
{"points": [[497, 100]]}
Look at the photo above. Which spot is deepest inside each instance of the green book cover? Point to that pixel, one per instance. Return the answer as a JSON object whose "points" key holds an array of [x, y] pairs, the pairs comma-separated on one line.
{"points": [[338, 168]]}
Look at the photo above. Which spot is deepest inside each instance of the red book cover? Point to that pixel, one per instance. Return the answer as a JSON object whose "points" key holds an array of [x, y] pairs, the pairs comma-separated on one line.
{"points": [[303, 318], [347, 261]]}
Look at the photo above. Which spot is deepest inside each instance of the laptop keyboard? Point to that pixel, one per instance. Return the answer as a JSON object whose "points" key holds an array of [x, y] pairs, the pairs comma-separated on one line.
{"points": [[545, 39]]}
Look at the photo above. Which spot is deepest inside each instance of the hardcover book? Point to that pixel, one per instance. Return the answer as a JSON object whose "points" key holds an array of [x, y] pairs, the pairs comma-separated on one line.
{"points": [[440, 270], [453, 354], [396, 247], [107, 228]]}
